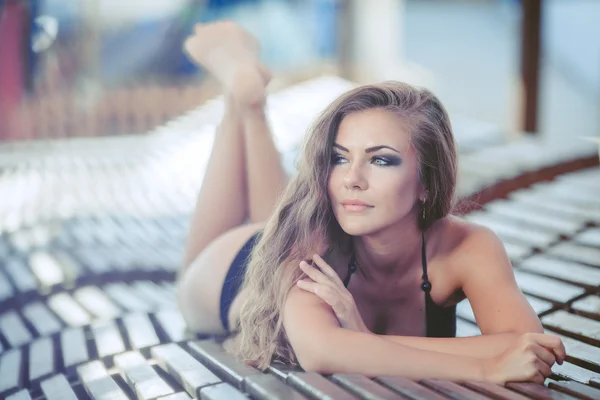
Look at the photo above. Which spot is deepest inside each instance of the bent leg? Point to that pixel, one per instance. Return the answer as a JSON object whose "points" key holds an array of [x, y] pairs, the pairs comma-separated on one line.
{"points": [[222, 201], [265, 175]]}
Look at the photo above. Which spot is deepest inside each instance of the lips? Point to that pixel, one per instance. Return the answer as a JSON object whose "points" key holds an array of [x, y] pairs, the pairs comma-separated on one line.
{"points": [[355, 205]]}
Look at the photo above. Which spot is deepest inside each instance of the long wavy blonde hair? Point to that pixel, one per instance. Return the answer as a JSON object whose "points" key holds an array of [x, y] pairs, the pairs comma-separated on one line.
{"points": [[303, 222]]}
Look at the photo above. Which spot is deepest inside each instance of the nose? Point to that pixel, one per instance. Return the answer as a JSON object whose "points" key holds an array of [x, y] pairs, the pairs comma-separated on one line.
{"points": [[354, 178]]}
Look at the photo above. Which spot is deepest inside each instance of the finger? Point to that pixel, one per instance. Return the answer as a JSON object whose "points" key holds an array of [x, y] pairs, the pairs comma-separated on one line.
{"points": [[553, 343], [561, 352], [327, 270], [539, 378], [324, 293], [314, 273], [543, 368], [544, 355]]}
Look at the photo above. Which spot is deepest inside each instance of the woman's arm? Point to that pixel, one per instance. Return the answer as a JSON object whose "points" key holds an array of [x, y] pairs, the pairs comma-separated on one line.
{"points": [[484, 273], [485, 346], [322, 345]]}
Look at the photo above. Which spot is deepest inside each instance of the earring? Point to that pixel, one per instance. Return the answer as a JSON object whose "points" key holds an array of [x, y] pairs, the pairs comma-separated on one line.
{"points": [[423, 208]]}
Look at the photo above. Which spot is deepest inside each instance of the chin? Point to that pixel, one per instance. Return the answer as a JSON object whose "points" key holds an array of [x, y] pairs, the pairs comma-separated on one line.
{"points": [[357, 229]]}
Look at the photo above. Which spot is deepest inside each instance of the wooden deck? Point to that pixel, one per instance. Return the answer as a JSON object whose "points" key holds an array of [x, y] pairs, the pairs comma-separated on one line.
{"points": [[92, 233]]}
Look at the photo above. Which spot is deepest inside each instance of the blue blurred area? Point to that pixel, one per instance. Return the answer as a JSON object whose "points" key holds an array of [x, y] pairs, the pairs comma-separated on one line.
{"points": [[292, 34]]}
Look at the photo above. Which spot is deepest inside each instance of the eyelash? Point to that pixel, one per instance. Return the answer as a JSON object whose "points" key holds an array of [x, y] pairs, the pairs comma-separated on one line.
{"points": [[388, 162]]}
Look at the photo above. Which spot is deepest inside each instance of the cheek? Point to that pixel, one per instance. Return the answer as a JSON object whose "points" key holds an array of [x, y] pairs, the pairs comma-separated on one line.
{"points": [[401, 192], [333, 183]]}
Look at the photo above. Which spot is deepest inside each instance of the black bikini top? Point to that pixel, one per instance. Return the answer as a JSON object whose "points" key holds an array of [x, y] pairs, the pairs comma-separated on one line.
{"points": [[441, 321]]}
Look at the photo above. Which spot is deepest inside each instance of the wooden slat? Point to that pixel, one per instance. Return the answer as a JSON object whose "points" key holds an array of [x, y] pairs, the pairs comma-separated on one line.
{"points": [[140, 331], [517, 251], [221, 391], [508, 230], [46, 268], [268, 387], [74, 347], [535, 216], [223, 364], [98, 383], [579, 352], [6, 289], [559, 206], [68, 310], [575, 252], [188, 371], [154, 294], [14, 330], [96, 302], [316, 386], [42, 319], [172, 323], [41, 358], [409, 388], [589, 237], [20, 395], [107, 338], [586, 329], [122, 295], [452, 390], [58, 388], [364, 387], [20, 275], [574, 372], [10, 370], [494, 391], [538, 392], [141, 377], [180, 396], [576, 389], [588, 304], [547, 288], [561, 269]]}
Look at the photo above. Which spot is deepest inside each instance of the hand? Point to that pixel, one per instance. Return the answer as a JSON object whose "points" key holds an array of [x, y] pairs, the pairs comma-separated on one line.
{"points": [[329, 287], [529, 359]]}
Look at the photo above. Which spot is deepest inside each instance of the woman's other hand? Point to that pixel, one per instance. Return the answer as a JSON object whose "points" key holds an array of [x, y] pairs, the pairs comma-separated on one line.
{"points": [[529, 359], [329, 287]]}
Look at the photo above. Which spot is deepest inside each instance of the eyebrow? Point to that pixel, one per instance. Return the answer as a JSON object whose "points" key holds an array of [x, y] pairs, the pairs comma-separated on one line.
{"points": [[369, 150]]}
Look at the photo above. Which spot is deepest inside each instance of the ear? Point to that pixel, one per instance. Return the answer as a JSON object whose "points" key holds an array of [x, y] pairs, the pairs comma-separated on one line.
{"points": [[423, 196]]}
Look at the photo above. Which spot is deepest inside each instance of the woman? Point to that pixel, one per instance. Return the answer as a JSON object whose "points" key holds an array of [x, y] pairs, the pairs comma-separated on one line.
{"points": [[359, 265]]}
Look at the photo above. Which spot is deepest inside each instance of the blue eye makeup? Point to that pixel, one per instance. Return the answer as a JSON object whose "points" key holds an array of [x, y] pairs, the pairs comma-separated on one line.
{"points": [[337, 158], [385, 161], [381, 160]]}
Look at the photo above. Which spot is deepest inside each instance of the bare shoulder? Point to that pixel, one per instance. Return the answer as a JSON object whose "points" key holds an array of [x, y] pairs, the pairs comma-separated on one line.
{"points": [[471, 238], [468, 245], [482, 270]]}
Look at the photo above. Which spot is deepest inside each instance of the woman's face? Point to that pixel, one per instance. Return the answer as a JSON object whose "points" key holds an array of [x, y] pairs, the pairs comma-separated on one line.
{"points": [[373, 182]]}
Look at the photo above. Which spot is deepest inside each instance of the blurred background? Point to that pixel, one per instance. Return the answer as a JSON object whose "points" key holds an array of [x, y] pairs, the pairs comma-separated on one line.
{"points": [[109, 67]]}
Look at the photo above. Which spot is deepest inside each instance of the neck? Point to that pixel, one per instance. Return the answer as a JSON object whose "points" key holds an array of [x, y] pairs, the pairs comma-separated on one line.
{"points": [[389, 253]]}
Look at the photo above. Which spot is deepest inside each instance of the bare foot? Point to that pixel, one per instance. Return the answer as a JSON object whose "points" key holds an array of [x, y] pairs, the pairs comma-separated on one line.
{"points": [[231, 54]]}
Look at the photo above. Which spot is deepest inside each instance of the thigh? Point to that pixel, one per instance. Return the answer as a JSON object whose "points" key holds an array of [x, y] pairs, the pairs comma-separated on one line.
{"points": [[199, 287]]}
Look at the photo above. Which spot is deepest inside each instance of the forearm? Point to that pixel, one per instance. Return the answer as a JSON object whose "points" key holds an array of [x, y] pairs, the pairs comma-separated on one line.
{"points": [[346, 351], [485, 346]]}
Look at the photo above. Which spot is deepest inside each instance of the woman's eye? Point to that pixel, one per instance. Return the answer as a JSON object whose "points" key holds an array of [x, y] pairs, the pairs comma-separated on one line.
{"points": [[380, 161], [337, 159], [385, 161]]}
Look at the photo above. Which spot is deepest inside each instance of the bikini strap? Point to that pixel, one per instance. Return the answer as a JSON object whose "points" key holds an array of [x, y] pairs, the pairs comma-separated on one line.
{"points": [[351, 269], [426, 285]]}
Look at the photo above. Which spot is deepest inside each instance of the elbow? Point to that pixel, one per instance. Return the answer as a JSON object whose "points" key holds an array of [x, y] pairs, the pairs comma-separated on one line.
{"points": [[311, 360], [310, 364], [315, 357]]}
